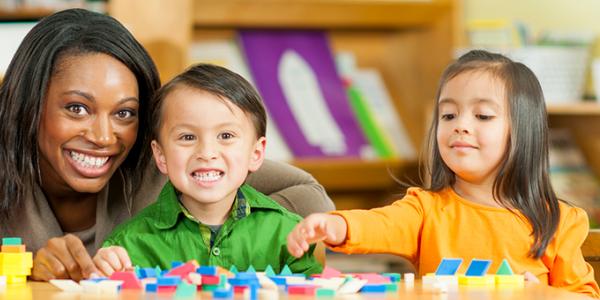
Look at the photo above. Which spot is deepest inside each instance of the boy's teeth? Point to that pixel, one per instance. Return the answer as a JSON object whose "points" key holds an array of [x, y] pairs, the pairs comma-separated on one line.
{"points": [[207, 176], [88, 161]]}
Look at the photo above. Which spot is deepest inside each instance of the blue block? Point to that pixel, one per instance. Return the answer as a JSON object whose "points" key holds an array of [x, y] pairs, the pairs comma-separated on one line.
{"points": [[168, 280], [207, 270], [394, 277], [246, 275], [279, 280], [373, 288], [448, 266], [12, 241], [151, 287], [244, 281], [163, 272], [253, 293], [478, 267], [175, 264], [98, 279], [223, 293], [148, 272]]}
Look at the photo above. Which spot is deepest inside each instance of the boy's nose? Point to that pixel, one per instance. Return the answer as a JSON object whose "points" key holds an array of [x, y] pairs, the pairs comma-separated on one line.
{"points": [[206, 152]]}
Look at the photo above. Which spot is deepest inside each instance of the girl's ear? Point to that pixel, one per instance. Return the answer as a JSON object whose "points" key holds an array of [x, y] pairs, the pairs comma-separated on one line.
{"points": [[258, 154], [159, 157]]}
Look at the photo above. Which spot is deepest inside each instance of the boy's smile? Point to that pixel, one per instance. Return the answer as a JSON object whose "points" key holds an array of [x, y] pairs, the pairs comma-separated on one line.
{"points": [[207, 145]]}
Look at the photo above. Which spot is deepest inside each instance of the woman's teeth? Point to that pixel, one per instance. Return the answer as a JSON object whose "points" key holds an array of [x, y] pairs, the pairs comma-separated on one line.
{"points": [[89, 161]]}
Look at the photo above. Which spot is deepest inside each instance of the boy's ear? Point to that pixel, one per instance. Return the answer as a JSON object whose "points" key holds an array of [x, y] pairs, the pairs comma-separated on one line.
{"points": [[159, 157], [258, 154]]}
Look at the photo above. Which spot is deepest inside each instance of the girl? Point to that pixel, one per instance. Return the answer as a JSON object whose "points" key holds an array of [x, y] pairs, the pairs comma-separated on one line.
{"points": [[489, 195]]}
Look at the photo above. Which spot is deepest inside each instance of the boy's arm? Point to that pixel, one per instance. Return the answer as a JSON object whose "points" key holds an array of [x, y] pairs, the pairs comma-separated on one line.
{"points": [[291, 187]]}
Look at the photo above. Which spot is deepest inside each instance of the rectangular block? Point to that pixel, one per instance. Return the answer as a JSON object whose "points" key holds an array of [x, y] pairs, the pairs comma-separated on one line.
{"points": [[510, 279], [13, 248], [477, 280], [12, 241]]}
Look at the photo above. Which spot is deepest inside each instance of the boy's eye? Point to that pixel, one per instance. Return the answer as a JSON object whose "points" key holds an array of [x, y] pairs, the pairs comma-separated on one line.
{"points": [[448, 117], [126, 114], [78, 109], [225, 136]]}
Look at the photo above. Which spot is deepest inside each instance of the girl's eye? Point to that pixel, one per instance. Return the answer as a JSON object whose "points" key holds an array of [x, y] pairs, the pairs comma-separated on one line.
{"points": [[77, 109], [225, 136], [126, 114], [484, 117], [447, 117], [187, 137]]}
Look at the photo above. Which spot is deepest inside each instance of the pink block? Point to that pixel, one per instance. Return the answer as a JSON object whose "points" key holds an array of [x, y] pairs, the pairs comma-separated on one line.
{"points": [[183, 270], [372, 278], [130, 281], [330, 273]]}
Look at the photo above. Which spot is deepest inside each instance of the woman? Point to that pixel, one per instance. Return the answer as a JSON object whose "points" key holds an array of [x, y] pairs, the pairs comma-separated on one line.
{"points": [[75, 158]]}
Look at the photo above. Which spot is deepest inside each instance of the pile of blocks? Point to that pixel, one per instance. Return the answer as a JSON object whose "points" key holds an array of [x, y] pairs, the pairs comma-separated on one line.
{"points": [[186, 279], [476, 275], [15, 262]]}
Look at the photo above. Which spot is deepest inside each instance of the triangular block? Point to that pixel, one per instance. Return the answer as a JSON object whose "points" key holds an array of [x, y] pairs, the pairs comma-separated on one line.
{"points": [[269, 271], [504, 268], [286, 271]]}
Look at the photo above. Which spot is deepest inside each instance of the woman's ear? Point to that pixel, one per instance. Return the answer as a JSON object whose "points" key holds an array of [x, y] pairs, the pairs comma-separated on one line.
{"points": [[159, 157], [258, 154]]}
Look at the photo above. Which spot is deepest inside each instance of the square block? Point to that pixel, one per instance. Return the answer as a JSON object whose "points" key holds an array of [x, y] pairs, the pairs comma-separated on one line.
{"points": [[478, 267], [448, 266], [13, 248]]}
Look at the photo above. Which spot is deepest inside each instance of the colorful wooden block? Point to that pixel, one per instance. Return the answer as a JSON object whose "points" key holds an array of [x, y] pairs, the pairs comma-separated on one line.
{"points": [[448, 266]]}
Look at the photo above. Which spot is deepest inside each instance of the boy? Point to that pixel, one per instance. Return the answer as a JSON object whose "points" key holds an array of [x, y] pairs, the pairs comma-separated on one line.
{"points": [[209, 133]]}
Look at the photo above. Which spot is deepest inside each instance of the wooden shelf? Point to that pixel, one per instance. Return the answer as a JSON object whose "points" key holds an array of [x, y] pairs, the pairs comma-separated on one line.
{"points": [[356, 175], [24, 13], [587, 108], [351, 14]]}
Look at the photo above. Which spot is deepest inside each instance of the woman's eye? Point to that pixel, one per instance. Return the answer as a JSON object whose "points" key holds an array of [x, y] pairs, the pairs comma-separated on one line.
{"points": [[77, 109], [126, 114]]}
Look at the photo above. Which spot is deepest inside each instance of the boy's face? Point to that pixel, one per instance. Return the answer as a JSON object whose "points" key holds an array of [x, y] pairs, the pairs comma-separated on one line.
{"points": [[207, 146]]}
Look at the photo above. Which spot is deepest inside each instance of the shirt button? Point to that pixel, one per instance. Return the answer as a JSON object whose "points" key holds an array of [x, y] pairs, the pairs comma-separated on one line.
{"points": [[216, 251]]}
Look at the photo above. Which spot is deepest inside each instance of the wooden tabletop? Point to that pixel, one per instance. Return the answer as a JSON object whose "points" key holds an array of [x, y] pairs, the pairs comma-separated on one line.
{"points": [[39, 290]]}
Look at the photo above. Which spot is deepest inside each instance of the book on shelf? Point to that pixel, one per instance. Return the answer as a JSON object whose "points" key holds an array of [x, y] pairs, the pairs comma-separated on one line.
{"points": [[226, 53], [375, 109], [571, 178], [295, 73]]}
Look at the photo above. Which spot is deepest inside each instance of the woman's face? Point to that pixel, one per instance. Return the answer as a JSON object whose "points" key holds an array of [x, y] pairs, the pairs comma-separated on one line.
{"points": [[89, 123]]}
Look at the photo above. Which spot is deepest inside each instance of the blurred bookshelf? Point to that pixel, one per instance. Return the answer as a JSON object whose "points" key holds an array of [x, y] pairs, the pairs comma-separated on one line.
{"points": [[575, 108], [408, 42], [24, 13]]}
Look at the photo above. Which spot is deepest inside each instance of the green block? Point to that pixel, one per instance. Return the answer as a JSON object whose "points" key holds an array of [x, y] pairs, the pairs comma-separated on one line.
{"points": [[504, 268], [322, 292], [222, 281], [209, 287], [233, 269], [185, 290], [251, 269], [269, 271], [286, 271], [16, 241], [391, 287]]}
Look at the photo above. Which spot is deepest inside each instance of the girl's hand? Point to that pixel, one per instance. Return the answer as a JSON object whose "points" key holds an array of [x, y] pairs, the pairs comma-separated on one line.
{"points": [[530, 277], [316, 227], [112, 259], [62, 258]]}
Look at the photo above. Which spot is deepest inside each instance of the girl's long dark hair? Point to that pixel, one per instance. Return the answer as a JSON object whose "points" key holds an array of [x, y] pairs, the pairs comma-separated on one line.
{"points": [[522, 182], [23, 92]]}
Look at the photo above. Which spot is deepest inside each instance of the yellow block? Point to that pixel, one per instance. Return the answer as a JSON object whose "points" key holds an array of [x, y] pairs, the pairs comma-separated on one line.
{"points": [[16, 279], [510, 279], [476, 280], [16, 259]]}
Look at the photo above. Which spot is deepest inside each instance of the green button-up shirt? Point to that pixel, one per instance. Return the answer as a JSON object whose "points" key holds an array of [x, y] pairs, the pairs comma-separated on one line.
{"points": [[254, 234]]}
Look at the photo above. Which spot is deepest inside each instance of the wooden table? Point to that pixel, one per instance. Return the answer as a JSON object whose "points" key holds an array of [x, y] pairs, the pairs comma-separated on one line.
{"points": [[39, 290]]}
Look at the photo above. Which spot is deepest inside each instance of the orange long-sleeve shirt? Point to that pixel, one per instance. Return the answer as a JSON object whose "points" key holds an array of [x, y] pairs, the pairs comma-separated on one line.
{"points": [[427, 226]]}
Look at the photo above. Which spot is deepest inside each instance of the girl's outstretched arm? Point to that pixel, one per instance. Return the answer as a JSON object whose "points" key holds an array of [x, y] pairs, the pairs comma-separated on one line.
{"points": [[330, 229]]}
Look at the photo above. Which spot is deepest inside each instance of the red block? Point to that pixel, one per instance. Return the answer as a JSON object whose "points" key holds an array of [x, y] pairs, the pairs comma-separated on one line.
{"points": [[330, 273], [301, 289], [167, 289], [130, 281], [207, 279], [239, 289]]}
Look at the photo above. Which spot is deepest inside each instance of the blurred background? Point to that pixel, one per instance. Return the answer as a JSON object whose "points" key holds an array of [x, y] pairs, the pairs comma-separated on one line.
{"points": [[350, 84]]}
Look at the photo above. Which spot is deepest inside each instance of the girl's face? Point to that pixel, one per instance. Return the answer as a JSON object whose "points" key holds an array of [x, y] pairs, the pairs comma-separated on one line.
{"points": [[473, 126], [89, 123]]}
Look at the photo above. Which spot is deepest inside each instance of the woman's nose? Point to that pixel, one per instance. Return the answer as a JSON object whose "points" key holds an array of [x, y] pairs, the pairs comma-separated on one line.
{"points": [[101, 132]]}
